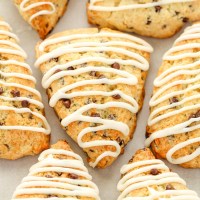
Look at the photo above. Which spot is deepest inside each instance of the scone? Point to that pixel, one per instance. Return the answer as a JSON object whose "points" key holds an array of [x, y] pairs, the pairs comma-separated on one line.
{"points": [[59, 174], [148, 178], [159, 19], [42, 15], [95, 82], [23, 128], [174, 123]]}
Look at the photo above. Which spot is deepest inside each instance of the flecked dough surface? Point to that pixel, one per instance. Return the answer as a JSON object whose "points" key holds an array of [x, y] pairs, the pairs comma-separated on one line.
{"points": [[45, 23], [146, 155], [161, 146], [159, 21], [67, 179], [111, 113], [15, 144]]}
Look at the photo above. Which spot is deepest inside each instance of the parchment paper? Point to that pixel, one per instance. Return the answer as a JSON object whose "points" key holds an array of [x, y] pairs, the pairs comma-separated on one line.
{"points": [[12, 172]]}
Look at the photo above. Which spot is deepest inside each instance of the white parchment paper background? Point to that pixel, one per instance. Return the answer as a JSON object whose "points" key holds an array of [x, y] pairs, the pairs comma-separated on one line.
{"points": [[11, 172]]}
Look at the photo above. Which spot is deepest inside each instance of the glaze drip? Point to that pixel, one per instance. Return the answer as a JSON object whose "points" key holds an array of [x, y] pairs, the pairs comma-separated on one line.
{"points": [[60, 71], [132, 180], [162, 82]]}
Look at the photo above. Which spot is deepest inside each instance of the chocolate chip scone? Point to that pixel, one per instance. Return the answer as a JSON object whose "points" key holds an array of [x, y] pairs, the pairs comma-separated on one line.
{"points": [[23, 127], [148, 178], [59, 174], [174, 124], [42, 15], [154, 18], [95, 82]]}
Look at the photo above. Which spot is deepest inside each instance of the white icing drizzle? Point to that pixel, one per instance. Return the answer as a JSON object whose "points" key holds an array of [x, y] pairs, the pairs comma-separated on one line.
{"points": [[32, 5], [133, 181], [162, 80], [15, 49], [5, 24], [30, 128], [93, 6], [35, 184], [124, 78], [139, 43]]}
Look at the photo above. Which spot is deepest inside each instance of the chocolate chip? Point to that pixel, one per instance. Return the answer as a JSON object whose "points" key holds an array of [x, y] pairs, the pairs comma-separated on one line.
{"points": [[70, 68], [95, 115], [25, 103], [112, 116], [67, 103], [59, 173], [115, 65], [158, 8], [93, 73], [116, 96], [58, 70], [185, 19], [177, 13], [148, 21], [164, 26], [51, 195], [1, 91], [131, 160], [147, 134], [120, 141], [55, 59], [170, 187], [48, 176], [73, 176], [15, 93], [173, 100], [192, 116], [30, 116], [154, 172], [101, 76], [197, 114]]}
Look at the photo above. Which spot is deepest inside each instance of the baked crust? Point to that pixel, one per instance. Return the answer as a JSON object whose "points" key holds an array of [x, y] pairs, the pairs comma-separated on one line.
{"points": [[44, 23], [18, 142], [158, 21], [60, 173], [111, 113], [184, 68], [155, 178]]}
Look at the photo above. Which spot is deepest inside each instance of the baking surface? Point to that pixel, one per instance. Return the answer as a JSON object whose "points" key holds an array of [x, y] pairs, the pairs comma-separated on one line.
{"points": [[12, 172]]}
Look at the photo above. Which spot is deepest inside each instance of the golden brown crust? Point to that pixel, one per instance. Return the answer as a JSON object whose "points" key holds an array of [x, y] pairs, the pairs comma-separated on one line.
{"points": [[62, 177], [118, 114], [15, 144], [161, 146], [43, 24], [159, 22], [147, 155]]}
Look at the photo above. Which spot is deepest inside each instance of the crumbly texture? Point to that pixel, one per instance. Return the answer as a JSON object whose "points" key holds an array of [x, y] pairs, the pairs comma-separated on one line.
{"points": [[43, 24], [18, 143], [61, 145], [146, 154], [161, 146], [159, 22], [118, 114]]}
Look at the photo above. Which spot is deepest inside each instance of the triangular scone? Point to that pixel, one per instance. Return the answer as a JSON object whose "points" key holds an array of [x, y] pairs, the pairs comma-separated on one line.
{"points": [[23, 127], [42, 15], [174, 124], [154, 18], [95, 82], [59, 174], [147, 178]]}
